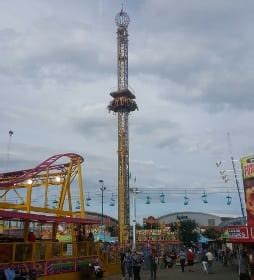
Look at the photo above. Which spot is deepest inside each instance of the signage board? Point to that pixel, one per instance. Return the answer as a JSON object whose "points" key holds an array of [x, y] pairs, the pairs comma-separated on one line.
{"points": [[247, 164], [239, 233]]}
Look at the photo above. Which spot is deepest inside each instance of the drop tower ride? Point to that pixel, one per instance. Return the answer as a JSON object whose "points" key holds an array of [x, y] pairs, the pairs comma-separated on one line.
{"points": [[122, 104]]}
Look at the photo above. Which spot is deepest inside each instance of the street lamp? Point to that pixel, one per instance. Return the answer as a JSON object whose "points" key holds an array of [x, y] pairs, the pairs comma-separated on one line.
{"points": [[226, 178], [102, 188]]}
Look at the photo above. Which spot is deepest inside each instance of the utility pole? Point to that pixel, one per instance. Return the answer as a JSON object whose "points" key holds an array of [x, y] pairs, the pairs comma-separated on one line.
{"points": [[102, 188], [134, 192]]}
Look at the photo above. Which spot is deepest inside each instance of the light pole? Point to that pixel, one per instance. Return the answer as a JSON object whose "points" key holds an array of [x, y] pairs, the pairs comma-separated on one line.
{"points": [[237, 186], [8, 149], [134, 192], [226, 178], [102, 188]]}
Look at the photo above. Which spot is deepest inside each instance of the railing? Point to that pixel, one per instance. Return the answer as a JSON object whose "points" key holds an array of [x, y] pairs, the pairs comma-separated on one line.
{"points": [[45, 250], [49, 258], [109, 254]]}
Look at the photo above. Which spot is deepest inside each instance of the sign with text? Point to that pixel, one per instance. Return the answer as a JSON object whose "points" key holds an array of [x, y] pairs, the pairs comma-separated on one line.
{"points": [[247, 164], [238, 233], [241, 234], [248, 167]]}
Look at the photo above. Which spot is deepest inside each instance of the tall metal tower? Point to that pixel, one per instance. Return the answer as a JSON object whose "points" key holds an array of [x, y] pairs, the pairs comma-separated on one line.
{"points": [[123, 103]]}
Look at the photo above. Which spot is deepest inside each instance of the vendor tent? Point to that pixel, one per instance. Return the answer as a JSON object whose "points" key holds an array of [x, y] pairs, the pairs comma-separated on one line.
{"points": [[204, 240]]}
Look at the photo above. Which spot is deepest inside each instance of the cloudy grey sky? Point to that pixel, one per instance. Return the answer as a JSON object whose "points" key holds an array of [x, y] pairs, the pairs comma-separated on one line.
{"points": [[190, 64]]}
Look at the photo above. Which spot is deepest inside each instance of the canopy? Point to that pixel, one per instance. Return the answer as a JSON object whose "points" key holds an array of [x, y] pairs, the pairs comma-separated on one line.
{"points": [[204, 240], [104, 237], [13, 215]]}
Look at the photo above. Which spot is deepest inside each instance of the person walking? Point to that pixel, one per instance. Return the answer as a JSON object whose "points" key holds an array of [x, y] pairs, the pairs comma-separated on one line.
{"points": [[182, 259], [190, 259], [123, 260], [137, 261], [129, 264], [204, 261], [209, 261], [243, 266], [153, 262]]}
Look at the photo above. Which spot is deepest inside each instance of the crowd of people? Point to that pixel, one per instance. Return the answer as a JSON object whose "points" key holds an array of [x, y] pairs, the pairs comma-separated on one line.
{"points": [[21, 272], [131, 262]]}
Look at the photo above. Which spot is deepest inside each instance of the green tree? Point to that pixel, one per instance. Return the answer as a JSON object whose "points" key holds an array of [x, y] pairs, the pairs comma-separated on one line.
{"points": [[112, 230], [139, 226], [212, 233], [188, 231], [173, 227]]}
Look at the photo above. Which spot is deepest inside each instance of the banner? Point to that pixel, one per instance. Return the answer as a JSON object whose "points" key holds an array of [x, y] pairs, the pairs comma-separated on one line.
{"points": [[247, 164]]}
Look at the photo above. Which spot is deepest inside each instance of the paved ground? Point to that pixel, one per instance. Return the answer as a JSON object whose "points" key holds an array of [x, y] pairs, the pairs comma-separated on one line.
{"points": [[219, 273]]}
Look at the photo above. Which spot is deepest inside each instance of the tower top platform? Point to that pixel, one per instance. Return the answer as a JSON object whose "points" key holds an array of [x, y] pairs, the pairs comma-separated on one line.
{"points": [[122, 19], [123, 93]]}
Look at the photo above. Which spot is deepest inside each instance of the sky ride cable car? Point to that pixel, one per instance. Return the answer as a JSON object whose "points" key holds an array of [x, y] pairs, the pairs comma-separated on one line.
{"points": [[77, 205], [229, 199], [148, 200], [54, 203], [162, 198], [88, 199], [204, 197], [186, 199], [112, 200]]}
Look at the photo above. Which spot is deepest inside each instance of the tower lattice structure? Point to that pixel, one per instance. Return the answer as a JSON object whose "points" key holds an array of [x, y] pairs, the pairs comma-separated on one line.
{"points": [[123, 103]]}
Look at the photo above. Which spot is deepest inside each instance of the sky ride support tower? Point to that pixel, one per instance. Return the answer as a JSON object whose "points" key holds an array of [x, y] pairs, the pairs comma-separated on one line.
{"points": [[123, 103]]}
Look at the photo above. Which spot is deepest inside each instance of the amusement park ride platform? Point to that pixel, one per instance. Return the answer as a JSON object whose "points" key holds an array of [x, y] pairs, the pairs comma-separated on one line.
{"points": [[50, 256], [22, 187]]}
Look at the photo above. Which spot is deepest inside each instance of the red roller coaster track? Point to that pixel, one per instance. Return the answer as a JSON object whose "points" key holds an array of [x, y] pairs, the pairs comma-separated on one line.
{"points": [[23, 175]]}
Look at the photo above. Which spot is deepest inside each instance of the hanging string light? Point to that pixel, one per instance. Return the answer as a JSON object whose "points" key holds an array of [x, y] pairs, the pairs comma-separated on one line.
{"points": [[148, 200], [186, 199], [204, 197], [162, 198]]}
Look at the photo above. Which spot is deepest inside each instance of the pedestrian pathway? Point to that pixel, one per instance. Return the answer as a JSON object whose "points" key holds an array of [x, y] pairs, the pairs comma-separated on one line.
{"points": [[219, 273]]}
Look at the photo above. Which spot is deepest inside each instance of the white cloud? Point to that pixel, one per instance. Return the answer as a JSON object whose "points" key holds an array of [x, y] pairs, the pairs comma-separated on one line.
{"points": [[190, 66]]}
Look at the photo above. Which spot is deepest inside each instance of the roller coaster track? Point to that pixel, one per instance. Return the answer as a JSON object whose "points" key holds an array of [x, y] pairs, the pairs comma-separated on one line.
{"points": [[10, 179]]}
